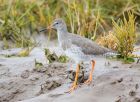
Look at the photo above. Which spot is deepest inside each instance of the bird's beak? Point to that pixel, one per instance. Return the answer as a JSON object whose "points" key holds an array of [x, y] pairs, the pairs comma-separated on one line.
{"points": [[50, 27]]}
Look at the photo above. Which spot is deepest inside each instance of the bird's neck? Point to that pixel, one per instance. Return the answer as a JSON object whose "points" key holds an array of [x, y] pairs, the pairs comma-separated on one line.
{"points": [[62, 34]]}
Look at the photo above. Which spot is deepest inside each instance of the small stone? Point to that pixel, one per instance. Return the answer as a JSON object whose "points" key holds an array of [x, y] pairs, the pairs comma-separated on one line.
{"points": [[136, 86], [120, 80], [132, 93], [25, 74]]}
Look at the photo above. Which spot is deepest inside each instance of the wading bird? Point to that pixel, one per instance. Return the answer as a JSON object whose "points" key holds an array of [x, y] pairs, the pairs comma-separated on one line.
{"points": [[76, 47]]}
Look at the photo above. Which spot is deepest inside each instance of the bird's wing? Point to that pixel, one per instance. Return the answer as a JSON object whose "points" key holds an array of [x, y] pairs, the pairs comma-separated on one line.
{"points": [[67, 44], [88, 47]]}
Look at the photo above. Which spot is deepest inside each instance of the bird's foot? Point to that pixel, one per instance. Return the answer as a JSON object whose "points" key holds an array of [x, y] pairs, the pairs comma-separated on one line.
{"points": [[88, 82], [74, 86]]}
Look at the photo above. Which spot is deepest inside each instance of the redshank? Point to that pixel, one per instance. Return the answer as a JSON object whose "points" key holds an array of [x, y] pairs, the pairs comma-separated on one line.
{"points": [[76, 47]]}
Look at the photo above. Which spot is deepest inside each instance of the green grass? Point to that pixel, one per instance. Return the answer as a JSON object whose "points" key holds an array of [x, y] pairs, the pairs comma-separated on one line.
{"points": [[125, 32], [52, 57], [19, 19]]}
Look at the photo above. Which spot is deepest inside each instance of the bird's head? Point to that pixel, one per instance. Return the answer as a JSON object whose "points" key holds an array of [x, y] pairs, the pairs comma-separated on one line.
{"points": [[57, 24]]}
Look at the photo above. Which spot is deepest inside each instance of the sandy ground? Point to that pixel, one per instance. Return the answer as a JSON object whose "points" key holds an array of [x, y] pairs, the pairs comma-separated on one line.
{"points": [[21, 81]]}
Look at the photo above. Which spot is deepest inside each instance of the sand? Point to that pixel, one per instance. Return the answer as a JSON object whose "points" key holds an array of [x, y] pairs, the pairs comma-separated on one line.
{"points": [[21, 81]]}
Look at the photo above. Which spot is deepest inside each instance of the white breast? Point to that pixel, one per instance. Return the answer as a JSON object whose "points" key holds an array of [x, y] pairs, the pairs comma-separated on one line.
{"points": [[76, 54]]}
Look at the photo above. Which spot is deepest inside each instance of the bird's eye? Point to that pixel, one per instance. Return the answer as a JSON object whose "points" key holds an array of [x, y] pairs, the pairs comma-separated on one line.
{"points": [[56, 23]]}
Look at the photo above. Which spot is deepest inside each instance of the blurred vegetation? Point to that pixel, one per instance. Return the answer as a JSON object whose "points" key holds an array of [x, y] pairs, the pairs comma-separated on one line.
{"points": [[109, 41], [26, 51], [38, 65], [14, 23], [122, 38], [125, 32], [52, 57], [20, 19], [138, 38]]}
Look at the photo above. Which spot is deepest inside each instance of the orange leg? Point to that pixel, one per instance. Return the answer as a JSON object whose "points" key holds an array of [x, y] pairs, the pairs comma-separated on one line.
{"points": [[74, 86], [91, 72]]}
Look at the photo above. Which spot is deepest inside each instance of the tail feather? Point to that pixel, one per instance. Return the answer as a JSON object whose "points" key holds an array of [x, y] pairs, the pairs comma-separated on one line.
{"points": [[111, 54]]}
